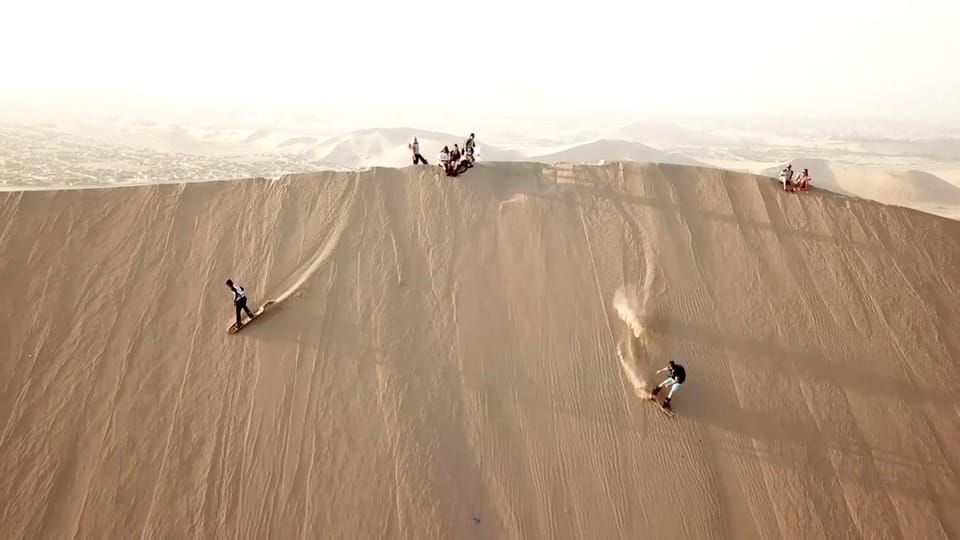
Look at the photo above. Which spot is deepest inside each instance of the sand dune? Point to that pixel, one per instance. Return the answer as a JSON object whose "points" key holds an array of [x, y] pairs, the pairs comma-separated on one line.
{"points": [[613, 150], [463, 358], [256, 135], [950, 173], [913, 189], [670, 133]]}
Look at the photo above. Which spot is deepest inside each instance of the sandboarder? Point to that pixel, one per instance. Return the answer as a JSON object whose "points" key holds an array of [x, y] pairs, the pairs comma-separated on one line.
{"points": [[239, 301], [676, 378]]}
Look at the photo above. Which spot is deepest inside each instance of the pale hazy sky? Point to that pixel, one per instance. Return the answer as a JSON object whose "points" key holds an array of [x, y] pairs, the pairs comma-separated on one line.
{"points": [[701, 57]]}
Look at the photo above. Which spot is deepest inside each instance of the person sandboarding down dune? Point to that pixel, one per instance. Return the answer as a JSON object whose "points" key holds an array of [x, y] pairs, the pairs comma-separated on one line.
{"points": [[239, 302], [677, 376]]}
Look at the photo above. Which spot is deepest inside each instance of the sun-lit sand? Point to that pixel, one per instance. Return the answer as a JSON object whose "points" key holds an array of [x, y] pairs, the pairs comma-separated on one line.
{"points": [[466, 358], [910, 188]]}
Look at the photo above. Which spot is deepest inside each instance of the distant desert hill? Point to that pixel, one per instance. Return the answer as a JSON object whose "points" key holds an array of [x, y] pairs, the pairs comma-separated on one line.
{"points": [[614, 150], [472, 357], [256, 135], [388, 147], [662, 132]]}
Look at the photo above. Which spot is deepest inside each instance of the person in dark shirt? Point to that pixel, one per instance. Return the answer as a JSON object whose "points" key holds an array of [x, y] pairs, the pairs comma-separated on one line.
{"points": [[417, 156], [470, 147], [676, 378], [239, 301]]}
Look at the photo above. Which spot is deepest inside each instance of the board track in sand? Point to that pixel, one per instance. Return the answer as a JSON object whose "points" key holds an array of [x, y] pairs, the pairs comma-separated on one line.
{"points": [[444, 359]]}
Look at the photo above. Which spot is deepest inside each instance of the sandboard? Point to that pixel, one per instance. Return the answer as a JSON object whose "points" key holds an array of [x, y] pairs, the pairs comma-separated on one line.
{"points": [[233, 327], [663, 409], [666, 411]]}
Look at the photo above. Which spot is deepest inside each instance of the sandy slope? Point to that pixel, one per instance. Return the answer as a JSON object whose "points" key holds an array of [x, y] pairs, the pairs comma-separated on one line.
{"points": [[448, 350], [911, 188]]}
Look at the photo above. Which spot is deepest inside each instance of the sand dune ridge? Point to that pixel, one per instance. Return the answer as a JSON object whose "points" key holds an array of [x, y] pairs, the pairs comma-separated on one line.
{"points": [[460, 358]]}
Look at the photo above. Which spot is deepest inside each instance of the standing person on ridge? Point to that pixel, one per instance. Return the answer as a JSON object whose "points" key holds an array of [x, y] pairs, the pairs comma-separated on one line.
{"points": [[469, 150], [470, 146], [239, 301], [676, 378], [417, 156]]}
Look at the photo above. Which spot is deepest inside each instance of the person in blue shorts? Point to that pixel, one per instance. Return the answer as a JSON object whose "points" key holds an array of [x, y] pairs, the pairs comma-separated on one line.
{"points": [[673, 382]]}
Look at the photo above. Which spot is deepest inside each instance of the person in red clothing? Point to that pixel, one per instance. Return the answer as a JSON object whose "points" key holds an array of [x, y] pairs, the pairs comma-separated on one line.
{"points": [[803, 181]]}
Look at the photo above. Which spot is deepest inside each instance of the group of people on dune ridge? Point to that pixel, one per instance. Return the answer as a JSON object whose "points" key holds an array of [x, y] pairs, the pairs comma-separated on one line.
{"points": [[800, 183], [453, 162]]}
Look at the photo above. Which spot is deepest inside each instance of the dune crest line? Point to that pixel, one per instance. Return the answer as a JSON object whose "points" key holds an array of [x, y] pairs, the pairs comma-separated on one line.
{"points": [[478, 397]]}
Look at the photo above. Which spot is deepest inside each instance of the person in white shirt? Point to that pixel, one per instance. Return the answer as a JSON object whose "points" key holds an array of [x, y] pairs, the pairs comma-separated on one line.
{"points": [[239, 301], [417, 157], [444, 159], [786, 177]]}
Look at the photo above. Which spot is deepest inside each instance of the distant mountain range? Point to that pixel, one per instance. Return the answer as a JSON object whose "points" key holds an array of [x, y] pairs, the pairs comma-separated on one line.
{"points": [[614, 150], [388, 147]]}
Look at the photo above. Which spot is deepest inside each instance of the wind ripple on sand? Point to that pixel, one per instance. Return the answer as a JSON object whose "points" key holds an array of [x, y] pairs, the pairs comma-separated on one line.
{"points": [[476, 397]]}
